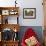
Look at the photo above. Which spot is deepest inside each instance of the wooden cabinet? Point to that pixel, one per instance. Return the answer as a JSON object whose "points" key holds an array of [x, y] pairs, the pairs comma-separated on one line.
{"points": [[44, 6], [0, 43], [44, 37], [5, 13], [10, 43]]}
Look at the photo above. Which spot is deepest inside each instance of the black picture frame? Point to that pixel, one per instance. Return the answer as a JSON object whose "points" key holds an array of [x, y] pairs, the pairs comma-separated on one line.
{"points": [[29, 13]]}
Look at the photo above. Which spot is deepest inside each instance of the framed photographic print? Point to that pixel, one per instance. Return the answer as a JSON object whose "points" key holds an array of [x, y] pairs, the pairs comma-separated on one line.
{"points": [[0, 36], [5, 20], [7, 34], [5, 12], [29, 13], [13, 20], [13, 12]]}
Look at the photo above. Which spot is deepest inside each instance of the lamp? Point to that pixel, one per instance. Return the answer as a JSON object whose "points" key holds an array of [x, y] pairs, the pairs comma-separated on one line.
{"points": [[15, 30], [15, 37], [15, 3]]}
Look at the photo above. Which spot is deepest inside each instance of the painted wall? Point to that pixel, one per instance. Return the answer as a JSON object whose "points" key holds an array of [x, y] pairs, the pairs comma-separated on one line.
{"points": [[27, 4]]}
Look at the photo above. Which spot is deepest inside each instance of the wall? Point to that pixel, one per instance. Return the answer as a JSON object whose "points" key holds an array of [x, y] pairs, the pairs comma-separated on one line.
{"points": [[39, 13], [27, 4]]}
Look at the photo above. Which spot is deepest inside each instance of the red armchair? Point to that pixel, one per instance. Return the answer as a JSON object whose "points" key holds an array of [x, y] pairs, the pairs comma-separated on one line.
{"points": [[30, 38]]}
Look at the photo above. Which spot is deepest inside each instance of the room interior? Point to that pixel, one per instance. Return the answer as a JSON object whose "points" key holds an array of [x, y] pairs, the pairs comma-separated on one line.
{"points": [[16, 16]]}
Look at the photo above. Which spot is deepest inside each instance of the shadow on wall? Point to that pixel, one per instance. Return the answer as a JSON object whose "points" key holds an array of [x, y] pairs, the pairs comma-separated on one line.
{"points": [[37, 29]]}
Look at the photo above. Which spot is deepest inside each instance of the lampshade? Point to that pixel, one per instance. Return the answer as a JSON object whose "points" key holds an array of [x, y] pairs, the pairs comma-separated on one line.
{"points": [[15, 30]]}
